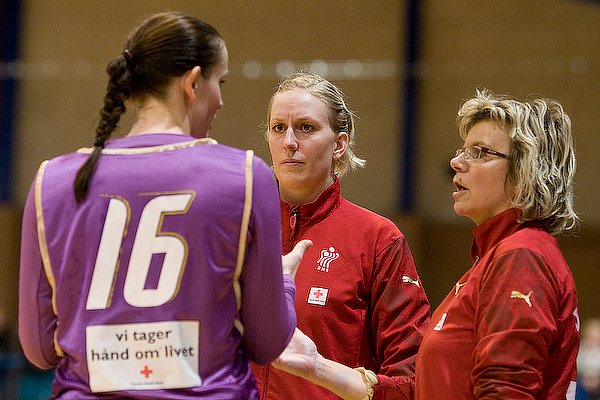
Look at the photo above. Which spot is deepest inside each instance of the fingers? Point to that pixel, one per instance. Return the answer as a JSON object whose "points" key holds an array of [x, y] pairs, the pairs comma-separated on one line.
{"points": [[301, 247], [291, 261]]}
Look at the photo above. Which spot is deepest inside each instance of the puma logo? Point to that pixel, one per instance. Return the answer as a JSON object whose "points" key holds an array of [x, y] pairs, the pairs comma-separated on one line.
{"points": [[515, 294], [457, 287], [408, 279]]}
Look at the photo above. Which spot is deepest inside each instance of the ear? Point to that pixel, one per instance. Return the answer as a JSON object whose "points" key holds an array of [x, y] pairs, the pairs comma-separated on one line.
{"points": [[190, 83], [341, 145]]}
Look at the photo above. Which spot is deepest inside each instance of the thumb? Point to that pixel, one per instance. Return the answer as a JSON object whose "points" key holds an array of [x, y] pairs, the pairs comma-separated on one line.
{"points": [[301, 247], [291, 261]]}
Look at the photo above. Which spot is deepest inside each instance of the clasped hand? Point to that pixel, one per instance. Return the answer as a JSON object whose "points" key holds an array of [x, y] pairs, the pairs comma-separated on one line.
{"points": [[299, 357]]}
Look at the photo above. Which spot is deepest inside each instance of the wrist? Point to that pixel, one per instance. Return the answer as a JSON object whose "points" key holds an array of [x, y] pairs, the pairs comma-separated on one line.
{"points": [[347, 383]]}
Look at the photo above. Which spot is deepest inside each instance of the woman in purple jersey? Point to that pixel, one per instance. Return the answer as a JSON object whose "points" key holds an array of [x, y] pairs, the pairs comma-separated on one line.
{"points": [[509, 329], [150, 264]]}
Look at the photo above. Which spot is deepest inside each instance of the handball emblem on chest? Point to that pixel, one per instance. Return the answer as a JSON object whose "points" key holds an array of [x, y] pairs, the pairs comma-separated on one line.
{"points": [[327, 257]]}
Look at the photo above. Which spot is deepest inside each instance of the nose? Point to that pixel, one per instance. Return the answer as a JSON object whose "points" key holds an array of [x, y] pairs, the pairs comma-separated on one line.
{"points": [[458, 162], [289, 141]]}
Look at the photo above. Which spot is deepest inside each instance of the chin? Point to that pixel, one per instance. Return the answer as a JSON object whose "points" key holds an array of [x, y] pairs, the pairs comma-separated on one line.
{"points": [[290, 182], [458, 210]]}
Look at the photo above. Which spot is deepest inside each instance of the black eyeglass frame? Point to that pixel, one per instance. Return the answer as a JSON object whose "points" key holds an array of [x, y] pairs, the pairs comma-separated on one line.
{"points": [[479, 150]]}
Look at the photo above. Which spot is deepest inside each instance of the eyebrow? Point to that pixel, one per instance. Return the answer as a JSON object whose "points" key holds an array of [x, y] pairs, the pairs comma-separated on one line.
{"points": [[303, 119]]}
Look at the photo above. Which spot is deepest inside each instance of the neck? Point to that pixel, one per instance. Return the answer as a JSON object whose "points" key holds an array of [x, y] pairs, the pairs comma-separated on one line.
{"points": [[155, 115], [303, 195]]}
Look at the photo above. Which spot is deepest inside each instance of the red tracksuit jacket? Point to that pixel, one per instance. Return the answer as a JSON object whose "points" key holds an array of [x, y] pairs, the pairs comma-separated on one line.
{"points": [[358, 296], [509, 329]]}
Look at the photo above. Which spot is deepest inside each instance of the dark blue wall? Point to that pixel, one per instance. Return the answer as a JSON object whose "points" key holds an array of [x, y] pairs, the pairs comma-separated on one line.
{"points": [[9, 35]]}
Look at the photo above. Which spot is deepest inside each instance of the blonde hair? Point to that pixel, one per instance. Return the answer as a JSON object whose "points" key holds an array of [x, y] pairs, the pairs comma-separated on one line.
{"points": [[341, 118], [542, 154]]}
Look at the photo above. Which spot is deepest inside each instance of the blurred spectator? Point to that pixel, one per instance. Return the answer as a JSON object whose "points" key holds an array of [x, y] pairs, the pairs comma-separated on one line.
{"points": [[4, 349], [35, 383], [588, 361], [19, 380]]}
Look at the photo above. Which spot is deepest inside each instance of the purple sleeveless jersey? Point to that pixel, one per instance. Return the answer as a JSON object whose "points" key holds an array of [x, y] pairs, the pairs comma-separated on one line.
{"points": [[164, 281]]}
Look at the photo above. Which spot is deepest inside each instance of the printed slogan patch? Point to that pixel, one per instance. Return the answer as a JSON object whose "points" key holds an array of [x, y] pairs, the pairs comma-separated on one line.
{"points": [[153, 355]]}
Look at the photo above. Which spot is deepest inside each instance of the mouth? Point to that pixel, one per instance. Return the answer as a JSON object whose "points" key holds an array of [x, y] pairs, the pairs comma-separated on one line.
{"points": [[291, 162], [458, 186]]}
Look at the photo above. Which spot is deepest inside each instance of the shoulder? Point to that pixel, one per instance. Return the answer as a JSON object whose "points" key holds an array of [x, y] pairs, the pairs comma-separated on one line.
{"points": [[531, 252], [529, 240], [67, 157], [242, 160], [370, 218], [225, 150], [366, 225], [63, 165], [241, 154]]}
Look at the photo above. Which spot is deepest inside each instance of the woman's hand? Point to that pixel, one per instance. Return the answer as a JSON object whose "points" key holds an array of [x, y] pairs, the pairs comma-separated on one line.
{"points": [[299, 357], [291, 261]]}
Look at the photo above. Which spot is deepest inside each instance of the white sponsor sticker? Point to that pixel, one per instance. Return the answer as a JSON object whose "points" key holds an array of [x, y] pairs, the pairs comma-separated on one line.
{"points": [[572, 389], [318, 296], [153, 355], [440, 324]]}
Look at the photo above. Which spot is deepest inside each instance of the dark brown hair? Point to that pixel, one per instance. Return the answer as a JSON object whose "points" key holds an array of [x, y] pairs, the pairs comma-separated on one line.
{"points": [[162, 47]]}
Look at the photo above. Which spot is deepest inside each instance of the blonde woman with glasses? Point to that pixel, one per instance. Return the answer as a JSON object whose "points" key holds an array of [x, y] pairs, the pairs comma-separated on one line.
{"points": [[509, 328]]}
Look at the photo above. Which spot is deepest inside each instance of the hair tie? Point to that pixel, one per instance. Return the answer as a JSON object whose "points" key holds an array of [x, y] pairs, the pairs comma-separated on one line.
{"points": [[128, 59]]}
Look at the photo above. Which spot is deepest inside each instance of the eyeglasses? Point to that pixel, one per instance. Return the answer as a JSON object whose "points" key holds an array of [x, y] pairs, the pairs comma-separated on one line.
{"points": [[475, 152]]}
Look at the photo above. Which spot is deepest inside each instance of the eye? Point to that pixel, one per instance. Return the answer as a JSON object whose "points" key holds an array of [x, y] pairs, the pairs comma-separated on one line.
{"points": [[473, 153], [279, 128], [306, 127]]}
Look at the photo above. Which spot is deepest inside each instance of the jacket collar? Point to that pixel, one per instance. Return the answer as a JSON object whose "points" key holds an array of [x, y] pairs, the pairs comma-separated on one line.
{"points": [[492, 231], [301, 216]]}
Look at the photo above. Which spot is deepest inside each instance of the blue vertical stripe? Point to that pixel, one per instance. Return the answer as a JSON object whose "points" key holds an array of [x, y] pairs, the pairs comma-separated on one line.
{"points": [[9, 37], [408, 184]]}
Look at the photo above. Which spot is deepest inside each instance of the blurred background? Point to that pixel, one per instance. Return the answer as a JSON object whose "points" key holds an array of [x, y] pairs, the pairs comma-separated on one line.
{"points": [[405, 66]]}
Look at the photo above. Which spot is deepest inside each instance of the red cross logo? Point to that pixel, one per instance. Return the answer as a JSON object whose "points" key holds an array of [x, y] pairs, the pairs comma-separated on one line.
{"points": [[146, 371], [317, 296]]}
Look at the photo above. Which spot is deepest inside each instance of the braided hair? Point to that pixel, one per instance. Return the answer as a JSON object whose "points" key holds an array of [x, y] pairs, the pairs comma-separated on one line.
{"points": [[163, 47]]}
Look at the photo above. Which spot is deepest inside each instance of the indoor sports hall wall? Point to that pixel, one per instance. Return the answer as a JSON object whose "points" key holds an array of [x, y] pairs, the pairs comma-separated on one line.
{"points": [[518, 47]]}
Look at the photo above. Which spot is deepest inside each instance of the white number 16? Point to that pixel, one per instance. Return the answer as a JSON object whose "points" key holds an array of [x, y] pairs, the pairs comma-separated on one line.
{"points": [[149, 240]]}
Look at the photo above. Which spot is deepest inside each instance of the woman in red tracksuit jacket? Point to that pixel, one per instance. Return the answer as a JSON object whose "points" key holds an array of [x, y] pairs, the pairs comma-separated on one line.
{"points": [[509, 328], [359, 297]]}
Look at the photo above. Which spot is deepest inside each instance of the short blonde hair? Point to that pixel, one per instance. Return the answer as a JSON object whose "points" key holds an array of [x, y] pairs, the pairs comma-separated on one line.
{"points": [[542, 154]]}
